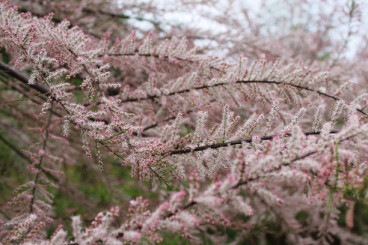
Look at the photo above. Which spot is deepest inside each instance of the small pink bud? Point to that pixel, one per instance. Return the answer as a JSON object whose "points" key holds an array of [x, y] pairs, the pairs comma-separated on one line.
{"points": [[41, 152]]}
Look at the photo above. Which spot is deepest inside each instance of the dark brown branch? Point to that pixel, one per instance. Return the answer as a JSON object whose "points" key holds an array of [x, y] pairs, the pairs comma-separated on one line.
{"points": [[20, 77], [238, 82], [226, 144]]}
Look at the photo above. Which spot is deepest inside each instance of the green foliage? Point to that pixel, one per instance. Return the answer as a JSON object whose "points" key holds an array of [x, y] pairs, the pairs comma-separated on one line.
{"points": [[172, 239], [11, 172], [5, 57]]}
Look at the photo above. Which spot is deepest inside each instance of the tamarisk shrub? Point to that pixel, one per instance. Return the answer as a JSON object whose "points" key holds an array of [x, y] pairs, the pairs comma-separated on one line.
{"points": [[270, 139]]}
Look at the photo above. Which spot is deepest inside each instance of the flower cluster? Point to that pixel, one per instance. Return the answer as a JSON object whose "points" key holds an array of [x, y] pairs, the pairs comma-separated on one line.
{"points": [[234, 144]]}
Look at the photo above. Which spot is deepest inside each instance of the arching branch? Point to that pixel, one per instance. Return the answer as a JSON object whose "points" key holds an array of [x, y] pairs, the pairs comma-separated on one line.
{"points": [[150, 97]]}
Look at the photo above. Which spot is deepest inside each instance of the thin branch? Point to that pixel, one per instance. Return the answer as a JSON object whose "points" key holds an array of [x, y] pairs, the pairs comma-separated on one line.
{"points": [[15, 149], [158, 176], [19, 90], [228, 143], [136, 52], [162, 121], [39, 165], [64, 186], [31, 98], [97, 11], [24, 157], [238, 82], [36, 86], [122, 16], [352, 11]]}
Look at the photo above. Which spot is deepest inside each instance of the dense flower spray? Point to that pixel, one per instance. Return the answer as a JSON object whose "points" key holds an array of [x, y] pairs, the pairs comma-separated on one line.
{"points": [[228, 143]]}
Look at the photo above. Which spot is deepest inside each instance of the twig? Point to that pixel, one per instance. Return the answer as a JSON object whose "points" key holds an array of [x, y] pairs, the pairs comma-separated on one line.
{"points": [[39, 165]]}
